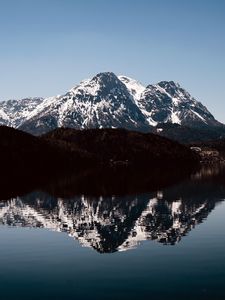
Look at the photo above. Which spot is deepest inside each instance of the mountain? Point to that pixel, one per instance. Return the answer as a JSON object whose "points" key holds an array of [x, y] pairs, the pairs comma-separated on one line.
{"points": [[102, 102], [189, 135], [134, 87], [15, 112], [28, 161], [108, 101], [167, 102], [65, 148], [120, 146], [24, 156]]}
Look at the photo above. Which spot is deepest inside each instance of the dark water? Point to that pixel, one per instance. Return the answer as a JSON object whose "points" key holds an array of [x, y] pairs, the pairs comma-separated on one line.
{"points": [[164, 244]]}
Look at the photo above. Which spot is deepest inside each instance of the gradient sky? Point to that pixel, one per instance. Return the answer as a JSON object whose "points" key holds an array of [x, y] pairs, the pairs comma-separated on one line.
{"points": [[48, 46]]}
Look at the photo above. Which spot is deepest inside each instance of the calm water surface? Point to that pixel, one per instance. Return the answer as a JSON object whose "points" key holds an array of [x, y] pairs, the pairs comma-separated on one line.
{"points": [[166, 244]]}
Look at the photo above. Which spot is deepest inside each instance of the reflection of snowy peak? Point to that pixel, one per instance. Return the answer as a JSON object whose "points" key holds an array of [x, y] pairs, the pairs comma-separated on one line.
{"points": [[108, 101], [107, 224], [165, 222]]}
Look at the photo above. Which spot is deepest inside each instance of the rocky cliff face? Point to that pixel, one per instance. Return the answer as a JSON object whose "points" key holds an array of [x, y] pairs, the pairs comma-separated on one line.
{"points": [[108, 101], [15, 112], [167, 102]]}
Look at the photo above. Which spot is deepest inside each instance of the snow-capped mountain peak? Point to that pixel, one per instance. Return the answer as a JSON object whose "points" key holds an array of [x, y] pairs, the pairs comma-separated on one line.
{"points": [[83, 83], [168, 102], [96, 84], [101, 102], [108, 101], [134, 86]]}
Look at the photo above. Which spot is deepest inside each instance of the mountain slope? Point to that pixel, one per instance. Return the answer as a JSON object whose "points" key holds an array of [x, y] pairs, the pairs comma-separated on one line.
{"points": [[27, 160], [14, 112], [108, 101], [167, 102], [134, 87], [65, 147], [186, 134], [102, 102], [23, 155], [124, 146]]}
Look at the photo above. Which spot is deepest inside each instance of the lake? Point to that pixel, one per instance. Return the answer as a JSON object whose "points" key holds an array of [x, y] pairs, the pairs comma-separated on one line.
{"points": [[165, 243]]}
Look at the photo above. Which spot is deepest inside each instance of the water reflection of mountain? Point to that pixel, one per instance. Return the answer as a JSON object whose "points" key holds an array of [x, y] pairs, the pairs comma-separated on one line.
{"points": [[118, 223]]}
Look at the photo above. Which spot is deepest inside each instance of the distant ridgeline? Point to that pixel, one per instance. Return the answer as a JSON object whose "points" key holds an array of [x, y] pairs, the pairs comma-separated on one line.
{"points": [[108, 101], [24, 157], [106, 122]]}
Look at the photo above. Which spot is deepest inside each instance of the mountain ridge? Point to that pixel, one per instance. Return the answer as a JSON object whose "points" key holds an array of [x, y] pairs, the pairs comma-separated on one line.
{"points": [[109, 101]]}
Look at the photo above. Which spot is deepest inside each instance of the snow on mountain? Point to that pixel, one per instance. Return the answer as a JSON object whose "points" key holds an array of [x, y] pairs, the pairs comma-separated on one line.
{"points": [[4, 118], [101, 102], [14, 112], [108, 101], [134, 87], [167, 102]]}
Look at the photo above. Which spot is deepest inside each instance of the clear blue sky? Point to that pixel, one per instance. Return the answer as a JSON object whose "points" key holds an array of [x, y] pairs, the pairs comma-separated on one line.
{"points": [[47, 46]]}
